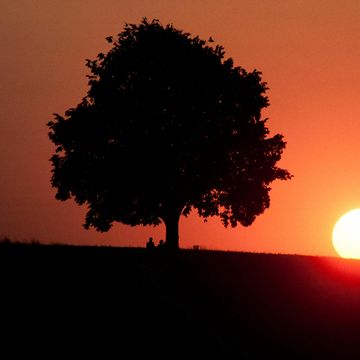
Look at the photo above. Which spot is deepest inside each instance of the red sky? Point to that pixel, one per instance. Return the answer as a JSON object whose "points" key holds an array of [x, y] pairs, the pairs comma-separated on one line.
{"points": [[308, 51]]}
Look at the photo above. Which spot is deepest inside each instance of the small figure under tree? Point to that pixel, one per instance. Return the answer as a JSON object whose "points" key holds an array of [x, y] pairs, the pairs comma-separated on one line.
{"points": [[168, 125]]}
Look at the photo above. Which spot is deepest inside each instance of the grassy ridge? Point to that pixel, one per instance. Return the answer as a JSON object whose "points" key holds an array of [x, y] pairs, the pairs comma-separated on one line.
{"points": [[129, 303]]}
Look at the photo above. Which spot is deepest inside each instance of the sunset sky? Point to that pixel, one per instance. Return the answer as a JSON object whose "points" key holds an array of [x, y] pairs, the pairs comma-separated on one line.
{"points": [[308, 52]]}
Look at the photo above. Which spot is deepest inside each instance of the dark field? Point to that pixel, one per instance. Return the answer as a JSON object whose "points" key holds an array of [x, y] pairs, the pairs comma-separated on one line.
{"points": [[119, 303]]}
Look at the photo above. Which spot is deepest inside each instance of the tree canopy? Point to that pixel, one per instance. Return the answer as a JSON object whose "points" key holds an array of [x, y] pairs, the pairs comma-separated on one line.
{"points": [[168, 125]]}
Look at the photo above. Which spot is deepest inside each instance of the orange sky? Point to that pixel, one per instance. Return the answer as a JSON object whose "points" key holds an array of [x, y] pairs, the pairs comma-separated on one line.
{"points": [[308, 51]]}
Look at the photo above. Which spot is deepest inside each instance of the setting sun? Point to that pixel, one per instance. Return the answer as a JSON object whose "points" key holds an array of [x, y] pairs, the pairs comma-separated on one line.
{"points": [[346, 235]]}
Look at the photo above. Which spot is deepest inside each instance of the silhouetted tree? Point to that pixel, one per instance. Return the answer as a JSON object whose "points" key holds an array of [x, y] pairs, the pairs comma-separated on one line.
{"points": [[168, 124]]}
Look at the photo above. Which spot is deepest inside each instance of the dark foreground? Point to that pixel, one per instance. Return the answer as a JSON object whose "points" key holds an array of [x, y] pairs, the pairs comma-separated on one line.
{"points": [[111, 303]]}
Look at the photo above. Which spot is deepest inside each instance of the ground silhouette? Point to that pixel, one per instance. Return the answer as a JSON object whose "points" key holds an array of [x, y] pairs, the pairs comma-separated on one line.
{"points": [[131, 303], [168, 125]]}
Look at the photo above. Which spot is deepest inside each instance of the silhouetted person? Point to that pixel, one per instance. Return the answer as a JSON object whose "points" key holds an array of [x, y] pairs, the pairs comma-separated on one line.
{"points": [[150, 244], [161, 244]]}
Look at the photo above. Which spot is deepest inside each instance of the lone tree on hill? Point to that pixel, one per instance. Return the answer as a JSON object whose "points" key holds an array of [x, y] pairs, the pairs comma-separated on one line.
{"points": [[168, 124]]}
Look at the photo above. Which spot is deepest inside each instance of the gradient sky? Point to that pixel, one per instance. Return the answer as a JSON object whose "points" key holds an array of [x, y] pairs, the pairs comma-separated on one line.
{"points": [[308, 52]]}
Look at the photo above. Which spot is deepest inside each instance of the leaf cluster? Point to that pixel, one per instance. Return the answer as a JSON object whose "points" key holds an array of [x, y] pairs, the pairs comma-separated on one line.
{"points": [[168, 124]]}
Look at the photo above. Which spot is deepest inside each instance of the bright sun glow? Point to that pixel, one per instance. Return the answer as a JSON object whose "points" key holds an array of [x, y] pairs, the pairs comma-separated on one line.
{"points": [[346, 235]]}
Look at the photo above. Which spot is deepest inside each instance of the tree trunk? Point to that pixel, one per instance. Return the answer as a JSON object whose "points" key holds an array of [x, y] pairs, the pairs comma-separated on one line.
{"points": [[172, 231]]}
